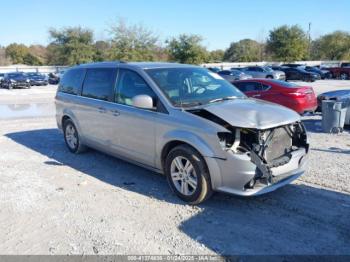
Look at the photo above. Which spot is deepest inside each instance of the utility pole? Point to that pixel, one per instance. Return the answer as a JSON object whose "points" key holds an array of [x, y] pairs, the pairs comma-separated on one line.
{"points": [[309, 36]]}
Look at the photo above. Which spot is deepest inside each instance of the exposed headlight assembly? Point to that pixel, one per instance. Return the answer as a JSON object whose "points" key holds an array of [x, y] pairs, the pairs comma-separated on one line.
{"points": [[229, 141]]}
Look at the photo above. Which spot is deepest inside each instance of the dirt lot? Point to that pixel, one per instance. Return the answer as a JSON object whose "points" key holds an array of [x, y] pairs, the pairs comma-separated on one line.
{"points": [[53, 202]]}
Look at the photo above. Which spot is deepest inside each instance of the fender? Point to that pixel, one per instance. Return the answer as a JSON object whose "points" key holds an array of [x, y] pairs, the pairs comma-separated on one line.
{"points": [[68, 112], [186, 137], [196, 142]]}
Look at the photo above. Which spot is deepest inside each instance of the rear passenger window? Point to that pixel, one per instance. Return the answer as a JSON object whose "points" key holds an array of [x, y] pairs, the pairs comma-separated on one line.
{"points": [[72, 81], [99, 83]]}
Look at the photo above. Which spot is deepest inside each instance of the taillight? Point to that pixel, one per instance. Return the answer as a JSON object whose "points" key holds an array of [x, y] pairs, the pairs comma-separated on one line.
{"points": [[296, 94]]}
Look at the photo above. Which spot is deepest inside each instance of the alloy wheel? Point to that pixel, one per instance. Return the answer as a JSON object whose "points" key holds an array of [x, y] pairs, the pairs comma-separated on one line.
{"points": [[71, 136], [183, 175]]}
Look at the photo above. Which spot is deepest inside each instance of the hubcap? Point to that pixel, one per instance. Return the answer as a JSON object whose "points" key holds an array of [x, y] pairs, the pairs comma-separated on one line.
{"points": [[183, 175], [343, 76], [71, 136]]}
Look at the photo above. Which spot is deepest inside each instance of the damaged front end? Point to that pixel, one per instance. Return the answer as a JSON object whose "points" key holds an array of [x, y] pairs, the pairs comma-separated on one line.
{"points": [[277, 153]]}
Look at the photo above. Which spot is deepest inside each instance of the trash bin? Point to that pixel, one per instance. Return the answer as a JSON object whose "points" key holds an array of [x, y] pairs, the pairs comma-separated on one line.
{"points": [[347, 116], [333, 116]]}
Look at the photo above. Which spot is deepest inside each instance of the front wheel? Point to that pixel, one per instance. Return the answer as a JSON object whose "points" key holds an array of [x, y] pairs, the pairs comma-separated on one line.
{"points": [[71, 137], [188, 175]]}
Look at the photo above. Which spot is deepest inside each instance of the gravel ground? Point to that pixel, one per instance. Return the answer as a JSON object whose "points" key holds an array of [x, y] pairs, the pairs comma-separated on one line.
{"points": [[53, 202]]}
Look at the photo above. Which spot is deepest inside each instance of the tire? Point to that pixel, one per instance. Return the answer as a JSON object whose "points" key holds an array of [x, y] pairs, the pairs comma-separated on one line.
{"points": [[71, 137], [10, 87], [344, 76], [195, 180]]}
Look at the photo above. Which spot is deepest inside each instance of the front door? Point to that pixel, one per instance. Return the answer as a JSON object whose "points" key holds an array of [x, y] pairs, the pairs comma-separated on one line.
{"points": [[133, 132]]}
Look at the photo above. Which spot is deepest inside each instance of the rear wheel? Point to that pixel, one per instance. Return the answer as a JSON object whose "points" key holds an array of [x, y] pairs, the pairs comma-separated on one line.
{"points": [[10, 86], [344, 76], [71, 137], [188, 175]]}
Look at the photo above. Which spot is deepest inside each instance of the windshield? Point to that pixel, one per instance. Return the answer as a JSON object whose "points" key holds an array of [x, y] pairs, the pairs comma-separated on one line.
{"points": [[15, 75], [268, 69], [236, 72], [192, 86], [33, 74]]}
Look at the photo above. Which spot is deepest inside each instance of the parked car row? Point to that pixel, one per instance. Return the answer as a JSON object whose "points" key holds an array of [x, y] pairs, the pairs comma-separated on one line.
{"points": [[308, 74], [287, 72], [28, 79], [15, 80]]}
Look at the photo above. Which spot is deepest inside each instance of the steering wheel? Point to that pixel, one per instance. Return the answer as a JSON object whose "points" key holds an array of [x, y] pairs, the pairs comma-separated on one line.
{"points": [[196, 90]]}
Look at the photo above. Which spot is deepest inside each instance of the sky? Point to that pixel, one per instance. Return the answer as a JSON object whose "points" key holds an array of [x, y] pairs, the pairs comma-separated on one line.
{"points": [[219, 22]]}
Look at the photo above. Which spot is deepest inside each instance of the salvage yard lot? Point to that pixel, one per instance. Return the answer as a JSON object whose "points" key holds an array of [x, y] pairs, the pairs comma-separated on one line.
{"points": [[54, 202]]}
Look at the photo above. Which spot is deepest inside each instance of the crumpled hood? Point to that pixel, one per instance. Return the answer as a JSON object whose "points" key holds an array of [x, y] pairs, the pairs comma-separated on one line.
{"points": [[252, 113]]}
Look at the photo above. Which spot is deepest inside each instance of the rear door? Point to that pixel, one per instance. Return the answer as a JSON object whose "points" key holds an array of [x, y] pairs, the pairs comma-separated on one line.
{"points": [[96, 98]]}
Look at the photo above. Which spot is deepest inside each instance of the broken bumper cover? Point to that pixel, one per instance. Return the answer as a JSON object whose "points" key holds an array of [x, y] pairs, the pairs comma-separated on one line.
{"points": [[232, 174]]}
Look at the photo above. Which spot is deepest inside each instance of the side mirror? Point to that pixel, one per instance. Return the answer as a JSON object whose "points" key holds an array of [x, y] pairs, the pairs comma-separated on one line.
{"points": [[143, 101]]}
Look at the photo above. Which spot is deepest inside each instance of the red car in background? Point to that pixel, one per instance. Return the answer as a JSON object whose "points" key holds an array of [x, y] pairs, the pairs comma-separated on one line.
{"points": [[299, 98]]}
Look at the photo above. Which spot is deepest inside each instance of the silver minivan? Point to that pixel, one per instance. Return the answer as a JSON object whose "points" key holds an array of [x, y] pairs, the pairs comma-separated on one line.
{"points": [[182, 121]]}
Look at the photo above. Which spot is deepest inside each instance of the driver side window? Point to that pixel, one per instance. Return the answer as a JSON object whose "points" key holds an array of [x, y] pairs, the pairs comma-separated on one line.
{"points": [[131, 84]]}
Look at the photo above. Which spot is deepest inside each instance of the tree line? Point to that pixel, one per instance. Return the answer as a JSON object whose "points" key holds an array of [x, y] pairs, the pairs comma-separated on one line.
{"points": [[130, 42]]}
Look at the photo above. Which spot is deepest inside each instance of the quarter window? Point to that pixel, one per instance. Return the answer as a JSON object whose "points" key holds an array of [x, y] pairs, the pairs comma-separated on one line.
{"points": [[71, 81], [249, 86], [131, 84], [99, 83]]}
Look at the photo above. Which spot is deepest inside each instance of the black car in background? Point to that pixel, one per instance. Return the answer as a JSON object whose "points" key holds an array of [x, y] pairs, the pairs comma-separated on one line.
{"points": [[15, 80], [214, 69], [53, 79], [325, 74], [1, 78], [292, 65], [300, 74], [37, 79]]}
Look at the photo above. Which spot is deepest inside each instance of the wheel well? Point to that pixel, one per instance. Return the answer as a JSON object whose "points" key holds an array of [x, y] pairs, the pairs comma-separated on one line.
{"points": [[169, 146], [269, 76], [64, 119]]}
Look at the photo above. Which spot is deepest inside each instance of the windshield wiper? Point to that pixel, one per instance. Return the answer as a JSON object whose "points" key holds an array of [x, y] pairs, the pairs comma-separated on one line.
{"points": [[222, 99], [188, 104]]}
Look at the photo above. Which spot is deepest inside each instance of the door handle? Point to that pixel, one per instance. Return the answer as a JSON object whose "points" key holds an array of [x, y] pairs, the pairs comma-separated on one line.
{"points": [[115, 112], [102, 110], [256, 95]]}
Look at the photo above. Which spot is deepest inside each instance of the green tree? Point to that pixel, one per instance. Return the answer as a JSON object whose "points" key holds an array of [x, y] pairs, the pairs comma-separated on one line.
{"points": [[132, 42], [333, 46], [69, 46], [216, 55], [39, 52], [246, 50], [17, 53], [288, 43], [4, 60], [187, 49], [102, 50], [31, 59]]}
